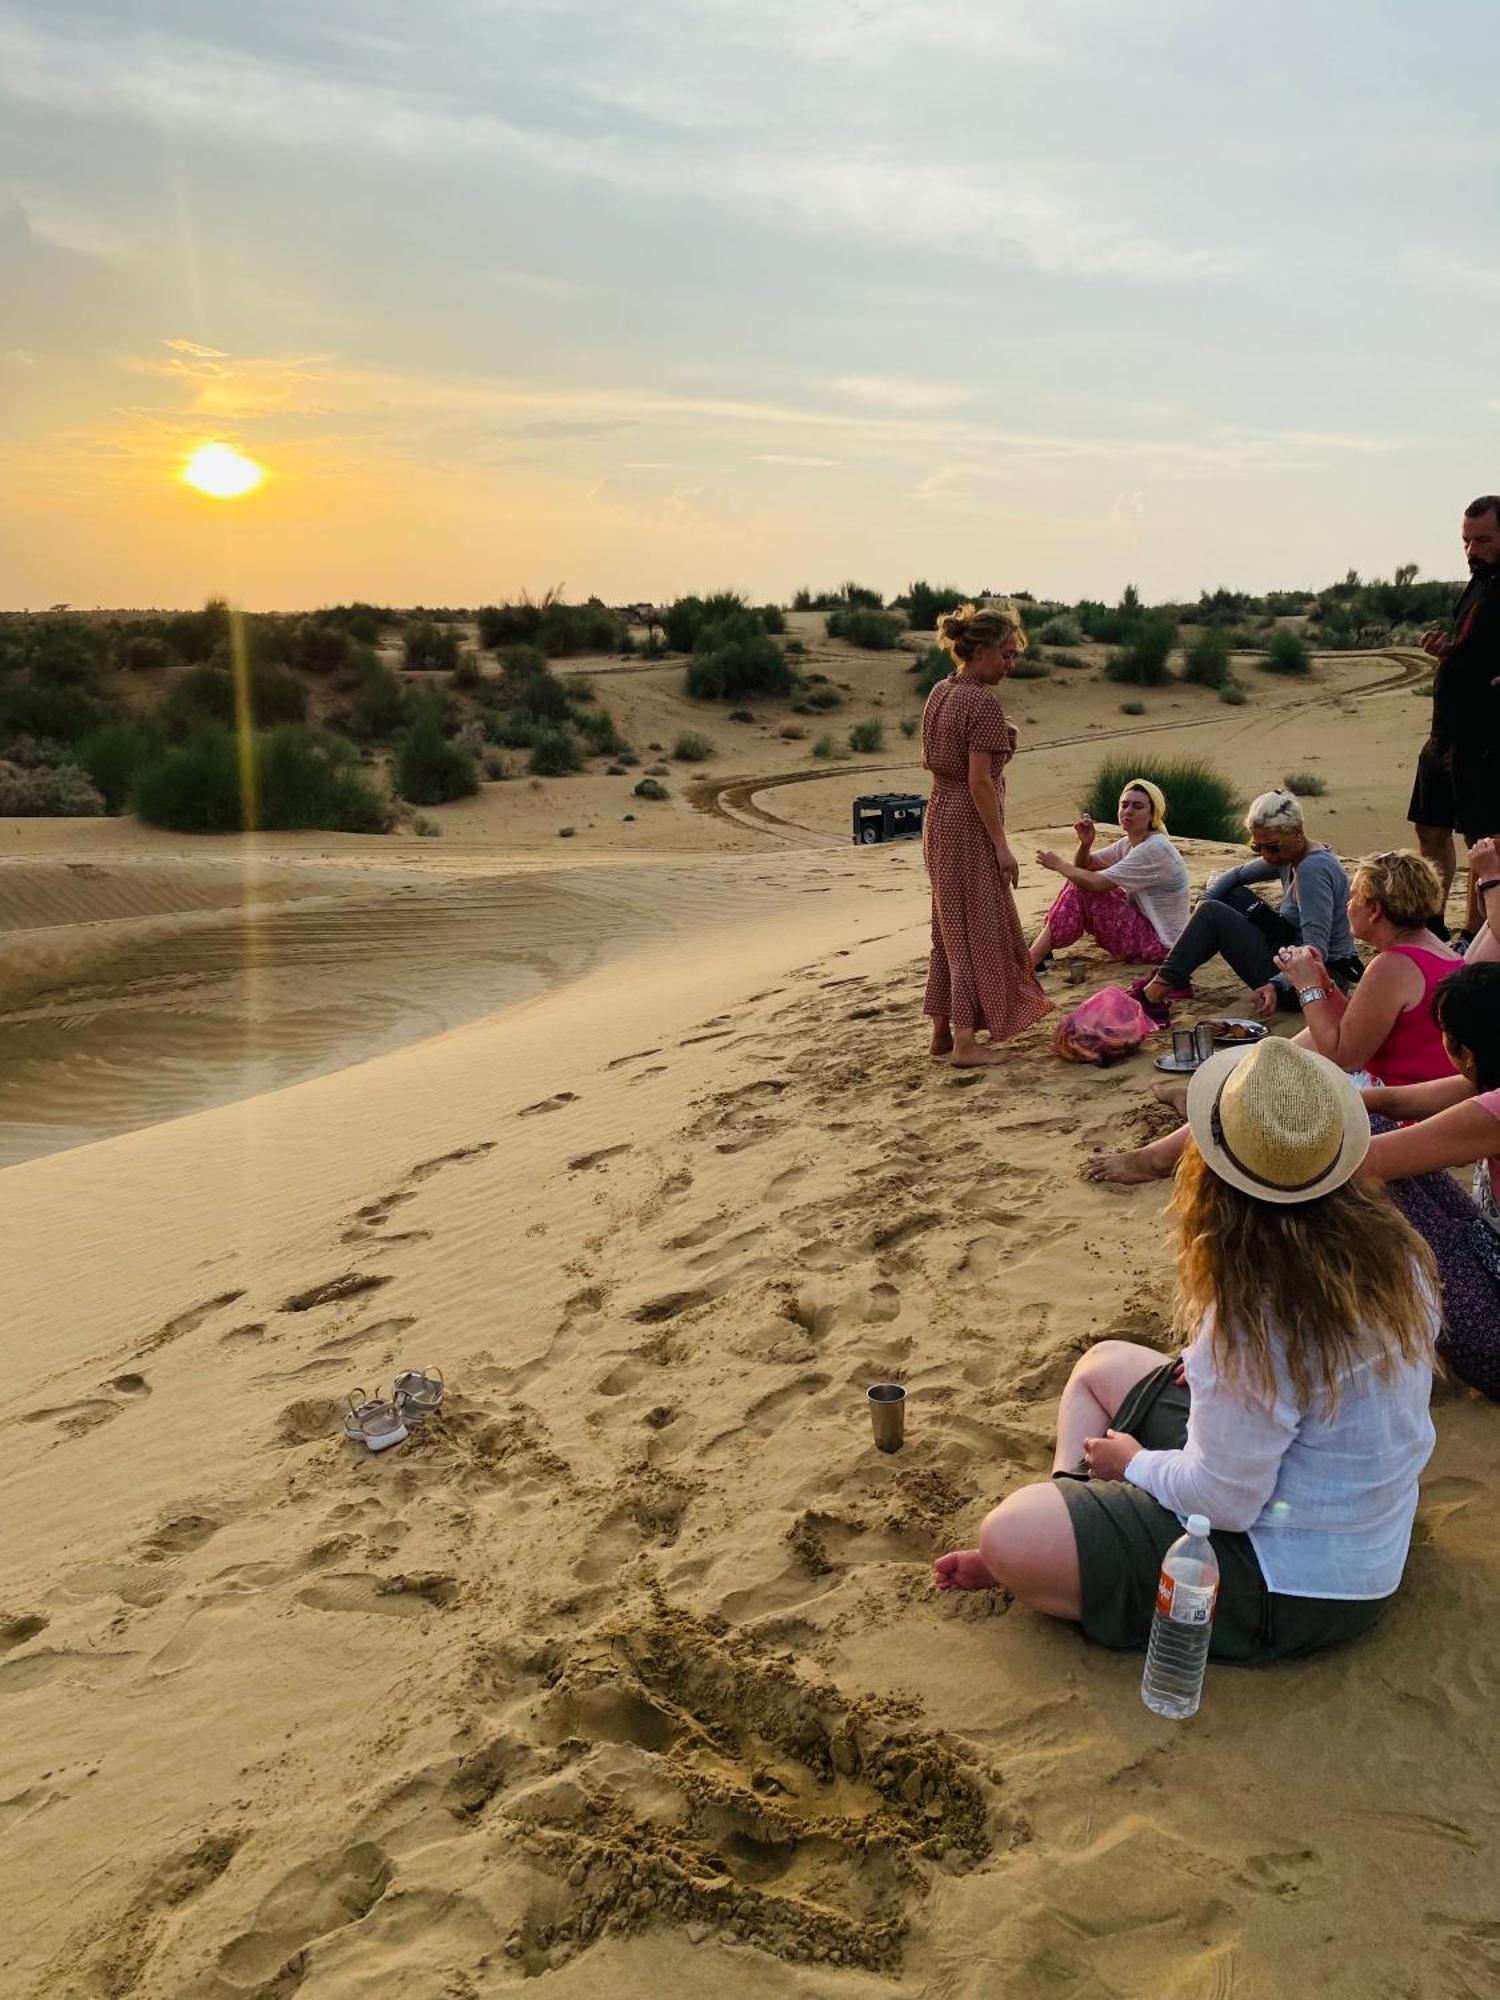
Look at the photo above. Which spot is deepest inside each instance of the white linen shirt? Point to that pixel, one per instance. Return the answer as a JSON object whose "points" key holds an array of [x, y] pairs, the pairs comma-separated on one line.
{"points": [[1327, 1501], [1155, 877]]}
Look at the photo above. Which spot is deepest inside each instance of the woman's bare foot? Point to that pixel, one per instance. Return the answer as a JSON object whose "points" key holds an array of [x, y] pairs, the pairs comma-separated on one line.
{"points": [[1124, 1169], [962, 1570], [1170, 1092], [942, 1041], [983, 1055]]}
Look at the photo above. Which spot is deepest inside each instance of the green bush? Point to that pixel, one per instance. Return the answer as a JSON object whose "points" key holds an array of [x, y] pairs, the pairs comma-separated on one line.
{"points": [[690, 749], [431, 649], [1233, 693], [687, 617], [113, 755], [194, 635], [734, 658], [425, 828], [924, 604], [1072, 660], [935, 665], [1200, 804], [565, 629], [519, 663], [909, 725], [1305, 784], [205, 696], [826, 747], [555, 753], [318, 647], [824, 697], [302, 780], [876, 631], [1143, 660], [382, 705], [145, 652], [1287, 653], [867, 737], [1030, 665], [773, 618], [467, 674], [429, 769], [42, 792], [1132, 708], [1206, 661], [599, 732], [650, 788], [1063, 630], [509, 624]]}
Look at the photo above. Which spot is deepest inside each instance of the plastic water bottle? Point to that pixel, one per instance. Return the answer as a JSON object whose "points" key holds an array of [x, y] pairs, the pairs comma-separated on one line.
{"points": [[1183, 1624]]}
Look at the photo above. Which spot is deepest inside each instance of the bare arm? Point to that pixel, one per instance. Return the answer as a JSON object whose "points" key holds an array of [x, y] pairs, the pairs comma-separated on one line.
{"points": [[1086, 876], [1350, 1031], [1453, 1138], [1410, 1101], [987, 805]]}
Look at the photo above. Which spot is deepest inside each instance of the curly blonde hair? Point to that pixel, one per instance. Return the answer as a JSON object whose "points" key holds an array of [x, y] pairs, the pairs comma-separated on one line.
{"points": [[968, 629], [1333, 1277], [1406, 886]]}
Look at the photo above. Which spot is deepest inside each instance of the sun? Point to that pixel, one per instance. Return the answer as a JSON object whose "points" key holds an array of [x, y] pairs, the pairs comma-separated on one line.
{"points": [[222, 473]]}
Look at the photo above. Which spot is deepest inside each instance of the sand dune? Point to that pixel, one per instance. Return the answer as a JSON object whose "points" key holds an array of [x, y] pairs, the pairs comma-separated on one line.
{"points": [[624, 1674]]}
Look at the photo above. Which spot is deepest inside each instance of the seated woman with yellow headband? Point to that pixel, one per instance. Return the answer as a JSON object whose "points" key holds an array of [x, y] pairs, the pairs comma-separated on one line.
{"points": [[1131, 897]]}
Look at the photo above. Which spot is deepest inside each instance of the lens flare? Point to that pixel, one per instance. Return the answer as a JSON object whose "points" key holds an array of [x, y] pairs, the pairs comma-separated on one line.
{"points": [[222, 473]]}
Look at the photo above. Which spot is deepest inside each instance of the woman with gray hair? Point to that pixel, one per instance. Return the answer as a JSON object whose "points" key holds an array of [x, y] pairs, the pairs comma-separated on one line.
{"points": [[1233, 923]]}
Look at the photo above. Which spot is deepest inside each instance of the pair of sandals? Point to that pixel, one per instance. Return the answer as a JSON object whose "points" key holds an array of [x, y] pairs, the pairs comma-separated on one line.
{"points": [[1157, 1012], [381, 1421]]}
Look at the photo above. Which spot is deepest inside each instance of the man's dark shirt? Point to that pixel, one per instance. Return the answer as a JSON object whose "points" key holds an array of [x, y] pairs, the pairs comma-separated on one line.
{"points": [[1465, 706]]}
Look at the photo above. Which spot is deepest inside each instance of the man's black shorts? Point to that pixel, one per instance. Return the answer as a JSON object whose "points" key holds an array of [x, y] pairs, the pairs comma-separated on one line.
{"points": [[1458, 789]]}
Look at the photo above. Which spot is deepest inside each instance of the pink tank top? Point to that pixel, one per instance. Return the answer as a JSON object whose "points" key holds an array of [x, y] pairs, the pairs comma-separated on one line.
{"points": [[1413, 1051]]}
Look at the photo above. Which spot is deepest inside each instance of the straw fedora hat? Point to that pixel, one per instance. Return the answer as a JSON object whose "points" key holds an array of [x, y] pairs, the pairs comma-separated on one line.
{"points": [[1280, 1123]]}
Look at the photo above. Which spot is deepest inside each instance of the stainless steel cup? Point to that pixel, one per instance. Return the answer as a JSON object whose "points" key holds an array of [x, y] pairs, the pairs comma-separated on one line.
{"points": [[1203, 1041], [1184, 1048], [887, 1401]]}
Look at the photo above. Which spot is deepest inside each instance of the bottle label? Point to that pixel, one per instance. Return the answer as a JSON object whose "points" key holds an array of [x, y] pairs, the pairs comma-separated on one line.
{"points": [[1186, 1603]]}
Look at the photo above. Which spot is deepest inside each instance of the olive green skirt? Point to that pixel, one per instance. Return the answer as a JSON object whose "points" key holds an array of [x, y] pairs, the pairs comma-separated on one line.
{"points": [[1122, 1535]]}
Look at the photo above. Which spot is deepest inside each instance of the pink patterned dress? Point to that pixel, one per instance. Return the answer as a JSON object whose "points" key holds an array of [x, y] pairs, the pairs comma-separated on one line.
{"points": [[979, 975]]}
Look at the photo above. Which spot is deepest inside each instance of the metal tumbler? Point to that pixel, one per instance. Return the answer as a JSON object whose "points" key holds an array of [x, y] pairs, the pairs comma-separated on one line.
{"points": [[887, 1401], [1184, 1047], [1203, 1041]]}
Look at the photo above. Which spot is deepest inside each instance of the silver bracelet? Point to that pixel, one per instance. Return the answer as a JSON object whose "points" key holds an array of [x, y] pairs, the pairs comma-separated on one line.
{"points": [[1307, 994]]}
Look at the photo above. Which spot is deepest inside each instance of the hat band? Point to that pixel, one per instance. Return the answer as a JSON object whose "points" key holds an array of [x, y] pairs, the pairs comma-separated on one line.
{"points": [[1216, 1127]]}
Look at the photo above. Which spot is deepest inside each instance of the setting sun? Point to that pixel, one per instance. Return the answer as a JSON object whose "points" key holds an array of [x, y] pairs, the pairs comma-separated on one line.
{"points": [[222, 473]]}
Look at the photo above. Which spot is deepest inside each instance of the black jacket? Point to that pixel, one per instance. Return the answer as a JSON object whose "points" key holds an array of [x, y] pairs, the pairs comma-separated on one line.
{"points": [[1465, 707]]}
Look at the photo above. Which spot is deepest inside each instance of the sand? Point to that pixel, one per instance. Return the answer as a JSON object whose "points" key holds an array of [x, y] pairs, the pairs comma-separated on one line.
{"points": [[624, 1673]]}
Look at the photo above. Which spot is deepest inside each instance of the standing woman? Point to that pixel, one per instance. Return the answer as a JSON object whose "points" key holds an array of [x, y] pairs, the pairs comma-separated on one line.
{"points": [[979, 975]]}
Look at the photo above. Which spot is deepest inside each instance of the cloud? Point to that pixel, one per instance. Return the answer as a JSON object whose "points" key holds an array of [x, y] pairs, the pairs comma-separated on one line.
{"points": [[887, 392], [197, 349], [787, 458], [577, 427], [1449, 273]]}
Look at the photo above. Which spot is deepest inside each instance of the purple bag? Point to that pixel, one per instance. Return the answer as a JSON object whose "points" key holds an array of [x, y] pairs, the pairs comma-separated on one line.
{"points": [[1107, 1025]]}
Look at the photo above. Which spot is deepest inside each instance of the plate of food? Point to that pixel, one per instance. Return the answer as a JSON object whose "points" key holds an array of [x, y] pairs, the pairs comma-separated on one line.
{"points": [[1233, 1032]]}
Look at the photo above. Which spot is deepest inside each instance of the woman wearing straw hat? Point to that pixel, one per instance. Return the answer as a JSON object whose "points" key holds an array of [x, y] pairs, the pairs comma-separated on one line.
{"points": [[1297, 1419], [1131, 896]]}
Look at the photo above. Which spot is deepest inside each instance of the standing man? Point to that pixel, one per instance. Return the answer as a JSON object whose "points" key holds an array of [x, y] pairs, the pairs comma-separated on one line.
{"points": [[1458, 772]]}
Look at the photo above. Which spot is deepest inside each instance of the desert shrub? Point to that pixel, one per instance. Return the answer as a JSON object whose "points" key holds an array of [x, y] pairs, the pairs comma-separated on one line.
{"points": [[876, 631], [686, 618], [1233, 693], [519, 663], [826, 747], [515, 732], [734, 658], [65, 792], [1030, 666], [741, 715], [1143, 659], [1207, 660], [555, 753], [205, 695], [1305, 784], [494, 767], [773, 619], [63, 712], [935, 665], [1201, 805], [1288, 653], [691, 749], [1132, 708], [317, 647], [866, 737], [824, 697], [848, 596], [194, 635], [37, 753], [509, 624], [429, 769], [382, 706], [362, 622], [564, 629], [791, 732], [431, 648], [302, 779], [425, 828], [599, 732], [925, 603], [650, 788], [1070, 660], [910, 725], [1063, 630], [113, 755], [144, 652], [466, 674]]}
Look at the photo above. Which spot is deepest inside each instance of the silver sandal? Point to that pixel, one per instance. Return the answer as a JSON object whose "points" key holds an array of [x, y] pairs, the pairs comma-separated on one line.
{"points": [[417, 1392], [372, 1421]]}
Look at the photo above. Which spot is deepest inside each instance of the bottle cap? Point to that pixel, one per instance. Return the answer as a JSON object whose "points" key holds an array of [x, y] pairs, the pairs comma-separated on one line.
{"points": [[1199, 1524]]}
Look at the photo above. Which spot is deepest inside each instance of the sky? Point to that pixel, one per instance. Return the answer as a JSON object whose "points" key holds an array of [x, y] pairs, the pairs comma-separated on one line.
{"points": [[681, 295]]}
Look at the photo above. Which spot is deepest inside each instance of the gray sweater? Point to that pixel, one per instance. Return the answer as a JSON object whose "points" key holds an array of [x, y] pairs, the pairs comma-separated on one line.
{"points": [[1314, 898]]}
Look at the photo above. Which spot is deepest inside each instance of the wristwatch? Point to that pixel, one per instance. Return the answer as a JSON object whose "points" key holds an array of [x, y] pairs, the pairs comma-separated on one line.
{"points": [[1484, 888], [1307, 994]]}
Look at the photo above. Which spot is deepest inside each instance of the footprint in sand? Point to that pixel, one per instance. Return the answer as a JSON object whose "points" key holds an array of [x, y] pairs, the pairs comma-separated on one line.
{"points": [[350, 1285], [582, 1162], [238, 1335], [544, 1104], [75, 1420], [638, 1055], [328, 1894], [189, 1321], [394, 1596], [16, 1631], [179, 1536]]}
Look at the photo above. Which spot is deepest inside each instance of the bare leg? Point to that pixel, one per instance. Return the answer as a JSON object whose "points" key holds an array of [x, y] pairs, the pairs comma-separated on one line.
{"points": [[1026, 1547], [1156, 1162], [969, 1053], [1171, 1090], [1436, 843], [1041, 945], [942, 1039], [1098, 1385]]}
